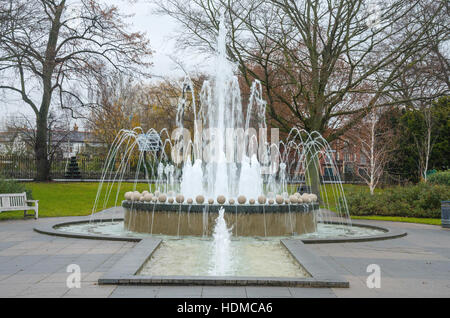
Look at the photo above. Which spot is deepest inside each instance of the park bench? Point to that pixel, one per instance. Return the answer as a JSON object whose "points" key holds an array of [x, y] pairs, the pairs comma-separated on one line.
{"points": [[16, 202]]}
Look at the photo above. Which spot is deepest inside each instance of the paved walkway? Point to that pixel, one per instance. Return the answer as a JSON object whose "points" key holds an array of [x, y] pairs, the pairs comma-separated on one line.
{"points": [[34, 265]]}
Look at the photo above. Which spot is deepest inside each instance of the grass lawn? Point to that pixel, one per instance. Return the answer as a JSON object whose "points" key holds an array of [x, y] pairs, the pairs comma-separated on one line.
{"points": [[69, 199], [399, 219]]}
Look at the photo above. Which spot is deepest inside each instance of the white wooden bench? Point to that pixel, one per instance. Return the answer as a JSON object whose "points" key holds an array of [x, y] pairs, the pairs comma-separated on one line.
{"points": [[16, 202]]}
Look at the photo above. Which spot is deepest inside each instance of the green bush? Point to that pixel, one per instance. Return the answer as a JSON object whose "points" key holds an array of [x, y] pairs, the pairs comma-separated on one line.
{"points": [[12, 186], [422, 200], [441, 177]]}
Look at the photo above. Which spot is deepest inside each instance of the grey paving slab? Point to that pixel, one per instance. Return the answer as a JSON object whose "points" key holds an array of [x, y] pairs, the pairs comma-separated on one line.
{"points": [[179, 291], [312, 292], [5, 245], [268, 292], [12, 290], [224, 292], [443, 251], [21, 278], [358, 288], [135, 292], [89, 290], [53, 290]]}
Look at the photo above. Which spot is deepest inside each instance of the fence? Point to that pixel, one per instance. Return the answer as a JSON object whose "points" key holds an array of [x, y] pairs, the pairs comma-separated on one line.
{"points": [[23, 167]]}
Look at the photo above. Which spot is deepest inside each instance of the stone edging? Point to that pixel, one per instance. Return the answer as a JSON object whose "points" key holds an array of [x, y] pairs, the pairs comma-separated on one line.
{"points": [[50, 229]]}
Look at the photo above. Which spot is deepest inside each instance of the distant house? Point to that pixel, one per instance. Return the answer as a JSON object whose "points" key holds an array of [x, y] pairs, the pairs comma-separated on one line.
{"points": [[344, 159], [71, 143], [347, 159], [11, 143], [67, 143]]}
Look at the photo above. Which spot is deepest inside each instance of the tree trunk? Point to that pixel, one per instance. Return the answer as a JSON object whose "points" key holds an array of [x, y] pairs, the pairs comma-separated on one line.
{"points": [[41, 149], [313, 175], [313, 168]]}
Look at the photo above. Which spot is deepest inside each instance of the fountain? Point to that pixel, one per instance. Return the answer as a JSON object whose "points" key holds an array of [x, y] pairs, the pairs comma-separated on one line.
{"points": [[226, 203], [229, 166]]}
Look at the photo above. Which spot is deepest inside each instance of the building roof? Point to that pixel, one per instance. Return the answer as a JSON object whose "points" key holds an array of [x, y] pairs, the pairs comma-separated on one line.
{"points": [[73, 136]]}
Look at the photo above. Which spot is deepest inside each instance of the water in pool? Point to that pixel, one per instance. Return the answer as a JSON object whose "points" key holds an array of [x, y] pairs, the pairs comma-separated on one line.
{"points": [[116, 228], [248, 257]]}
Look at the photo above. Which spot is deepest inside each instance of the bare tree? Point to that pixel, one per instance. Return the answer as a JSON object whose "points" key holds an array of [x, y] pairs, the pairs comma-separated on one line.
{"points": [[424, 80], [128, 103], [375, 145], [315, 58], [117, 96], [54, 49], [24, 130], [311, 54]]}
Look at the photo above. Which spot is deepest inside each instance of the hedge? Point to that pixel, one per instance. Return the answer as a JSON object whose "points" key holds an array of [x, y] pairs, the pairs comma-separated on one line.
{"points": [[422, 200], [441, 177], [11, 186]]}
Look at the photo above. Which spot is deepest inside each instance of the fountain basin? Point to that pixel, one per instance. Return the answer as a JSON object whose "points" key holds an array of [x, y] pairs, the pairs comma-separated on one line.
{"points": [[199, 219], [249, 257]]}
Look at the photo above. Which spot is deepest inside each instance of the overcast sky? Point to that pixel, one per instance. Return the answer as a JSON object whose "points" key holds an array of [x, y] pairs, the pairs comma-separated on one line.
{"points": [[160, 31]]}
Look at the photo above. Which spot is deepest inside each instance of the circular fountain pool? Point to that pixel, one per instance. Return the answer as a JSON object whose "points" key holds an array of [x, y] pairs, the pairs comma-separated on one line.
{"points": [[116, 229]]}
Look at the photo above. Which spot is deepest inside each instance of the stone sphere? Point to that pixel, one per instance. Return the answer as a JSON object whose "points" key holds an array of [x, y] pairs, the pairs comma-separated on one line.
{"points": [[251, 201], [221, 199], [135, 197], [145, 192], [148, 197], [270, 201], [141, 199], [162, 198], [155, 199], [170, 200], [306, 198], [298, 195], [128, 196], [313, 197], [299, 200], [231, 201], [189, 201], [179, 198], [210, 201], [279, 199], [200, 199], [242, 199], [136, 192], [262, 199], [287, 201], [293, 199]]}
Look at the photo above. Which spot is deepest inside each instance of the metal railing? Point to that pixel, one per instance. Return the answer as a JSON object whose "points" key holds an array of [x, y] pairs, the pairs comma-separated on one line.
{"points": [[24, 167]]}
